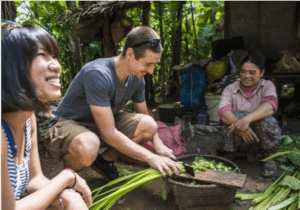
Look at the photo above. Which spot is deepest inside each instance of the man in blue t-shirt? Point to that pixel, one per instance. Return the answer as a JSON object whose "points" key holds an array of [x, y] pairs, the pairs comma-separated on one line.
{"points": [[90, 114]]}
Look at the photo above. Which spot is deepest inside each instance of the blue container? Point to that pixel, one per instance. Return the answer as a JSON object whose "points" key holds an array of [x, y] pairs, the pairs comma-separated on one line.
{"points": [[193, 87]]}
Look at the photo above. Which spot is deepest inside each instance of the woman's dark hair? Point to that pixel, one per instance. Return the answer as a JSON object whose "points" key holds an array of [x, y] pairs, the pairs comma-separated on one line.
{"points": [[139, 35], [255, 58], [19, 47]]}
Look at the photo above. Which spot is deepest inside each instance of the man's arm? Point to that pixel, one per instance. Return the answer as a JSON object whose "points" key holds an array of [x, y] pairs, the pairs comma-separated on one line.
{"points": [[105, 122], [159, 146]]}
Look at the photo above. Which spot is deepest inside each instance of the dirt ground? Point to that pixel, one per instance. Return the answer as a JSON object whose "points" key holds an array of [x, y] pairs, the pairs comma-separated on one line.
{"points": [[148, 196]]}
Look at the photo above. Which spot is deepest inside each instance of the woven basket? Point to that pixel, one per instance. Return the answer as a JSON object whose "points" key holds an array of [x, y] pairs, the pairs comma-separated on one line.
{"points": [[202, 197]]}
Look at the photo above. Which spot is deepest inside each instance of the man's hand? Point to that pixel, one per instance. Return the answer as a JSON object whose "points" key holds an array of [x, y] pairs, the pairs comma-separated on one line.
{"points": [[249, 136], [239, 126], [163, 164], [163, 150]]}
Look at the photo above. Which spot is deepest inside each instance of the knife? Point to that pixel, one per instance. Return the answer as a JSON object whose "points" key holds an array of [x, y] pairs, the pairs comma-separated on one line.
{"points": [[188, 169]]}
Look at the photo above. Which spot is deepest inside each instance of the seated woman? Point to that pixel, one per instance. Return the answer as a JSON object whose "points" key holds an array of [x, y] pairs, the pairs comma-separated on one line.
{"points": [[246, 110], [30, 79]]}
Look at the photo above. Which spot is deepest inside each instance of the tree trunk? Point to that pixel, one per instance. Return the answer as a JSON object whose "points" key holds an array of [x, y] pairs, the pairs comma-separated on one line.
{"points": [[176, 39], [108, 43], [176, 51], [72, 55], [187, 29], [149, 90], [212, 21], [9, 10], [162, 73], [195, 34], [78, 52], [88, 56]]}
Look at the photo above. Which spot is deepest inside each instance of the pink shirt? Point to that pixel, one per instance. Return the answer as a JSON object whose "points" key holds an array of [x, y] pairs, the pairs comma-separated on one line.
{"points": [[235, 99]]}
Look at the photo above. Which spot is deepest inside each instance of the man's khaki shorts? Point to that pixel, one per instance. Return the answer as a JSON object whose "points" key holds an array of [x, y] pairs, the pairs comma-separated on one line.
{"points": [[59, 136]]}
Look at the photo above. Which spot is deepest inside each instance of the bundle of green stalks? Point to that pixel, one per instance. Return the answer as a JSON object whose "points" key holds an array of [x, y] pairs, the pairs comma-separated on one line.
{"points": [[130, 182], [284, 193]]}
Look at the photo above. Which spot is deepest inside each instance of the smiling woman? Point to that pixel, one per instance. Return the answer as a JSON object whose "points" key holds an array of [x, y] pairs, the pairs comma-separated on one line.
{"points": [[20, 42], [246, 109], [30, 79], [45, 74]]}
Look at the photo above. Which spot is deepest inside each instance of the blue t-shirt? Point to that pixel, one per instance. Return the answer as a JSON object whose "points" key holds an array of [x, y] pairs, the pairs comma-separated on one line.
{"points": [[97, 84]]}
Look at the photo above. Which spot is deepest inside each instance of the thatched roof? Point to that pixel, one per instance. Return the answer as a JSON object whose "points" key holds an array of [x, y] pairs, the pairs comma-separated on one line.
{"points": [[91, 18]]}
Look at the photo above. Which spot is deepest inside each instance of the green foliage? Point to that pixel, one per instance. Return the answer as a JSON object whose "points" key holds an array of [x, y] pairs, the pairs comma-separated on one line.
{"points": [[207, 26], [287, 168], [286, 143], [205, 29], [291, 182]]}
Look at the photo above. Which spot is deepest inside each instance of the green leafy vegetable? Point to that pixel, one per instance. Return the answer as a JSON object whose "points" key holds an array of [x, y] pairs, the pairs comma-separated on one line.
{"points": [[286, 143], [165, 191], [291, 182]]}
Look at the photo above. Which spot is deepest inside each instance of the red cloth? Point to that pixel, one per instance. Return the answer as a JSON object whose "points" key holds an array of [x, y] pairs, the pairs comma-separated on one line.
{"points": [[171, 137]]}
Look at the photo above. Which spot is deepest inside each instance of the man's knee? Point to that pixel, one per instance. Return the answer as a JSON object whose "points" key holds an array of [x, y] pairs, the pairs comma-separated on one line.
{"points": [[147, 127], [84, 148]]}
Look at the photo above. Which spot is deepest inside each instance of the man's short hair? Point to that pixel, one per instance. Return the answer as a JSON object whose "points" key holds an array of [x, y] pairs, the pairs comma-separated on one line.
{"points": [[19, 47], [139, 35]]}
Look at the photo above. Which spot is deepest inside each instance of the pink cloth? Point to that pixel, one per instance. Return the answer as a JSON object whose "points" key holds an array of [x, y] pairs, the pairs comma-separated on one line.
{"points": [[171, 137], [233, 96]]}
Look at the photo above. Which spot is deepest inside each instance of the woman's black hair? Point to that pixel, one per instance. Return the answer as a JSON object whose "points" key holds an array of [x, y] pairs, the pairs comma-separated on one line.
{"points": [[19, 47], [255, 58]]}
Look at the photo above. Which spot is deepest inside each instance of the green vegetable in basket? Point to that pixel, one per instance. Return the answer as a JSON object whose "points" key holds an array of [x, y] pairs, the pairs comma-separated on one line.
{"points": [[200, 163], [108, 198]]}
